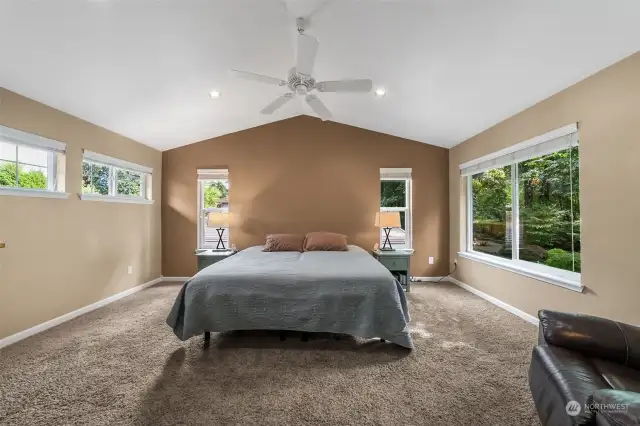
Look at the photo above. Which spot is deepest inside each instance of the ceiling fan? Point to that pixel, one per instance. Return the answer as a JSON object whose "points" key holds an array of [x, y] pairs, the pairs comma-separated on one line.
{"points": [[301, 82]]}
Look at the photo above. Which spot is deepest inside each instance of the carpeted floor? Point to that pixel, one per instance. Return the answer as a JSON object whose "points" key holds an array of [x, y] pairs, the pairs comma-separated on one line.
{"points": [[123, 365]]}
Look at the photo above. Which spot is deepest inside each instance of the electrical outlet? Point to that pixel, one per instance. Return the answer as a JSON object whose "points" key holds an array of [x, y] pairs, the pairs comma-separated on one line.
{"points": [[455, 262], [130, 270], [430, 260]]}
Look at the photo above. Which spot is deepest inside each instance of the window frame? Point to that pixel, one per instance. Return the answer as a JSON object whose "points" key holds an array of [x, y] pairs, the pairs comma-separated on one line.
{"points": [[560, 277], [204, 176], [400, 175], [56, 151], [114, 165]]}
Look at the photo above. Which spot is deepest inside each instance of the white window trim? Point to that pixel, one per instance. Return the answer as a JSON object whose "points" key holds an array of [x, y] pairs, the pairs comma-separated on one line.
{"points": [[115, 199], [31, 192], [498, 157], [95, 157], [213, 174], [204, 175], [34, 141], [555, 276], [396, 174], [560, 277], [20, 138], [146, 173]]}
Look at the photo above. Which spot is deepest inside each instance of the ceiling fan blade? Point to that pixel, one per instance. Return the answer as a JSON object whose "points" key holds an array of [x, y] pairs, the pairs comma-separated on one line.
{"points": [[318, 107], [307, 51], [257, 77], [278, 103], [345, 86]]}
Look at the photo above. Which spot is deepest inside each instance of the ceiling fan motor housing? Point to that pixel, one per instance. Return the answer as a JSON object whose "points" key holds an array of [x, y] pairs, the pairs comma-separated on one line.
{"points": [[300, 83]]}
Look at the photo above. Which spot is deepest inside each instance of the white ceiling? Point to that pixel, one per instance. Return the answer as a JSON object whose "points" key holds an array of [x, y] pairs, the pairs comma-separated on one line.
{"points": [[452, 68]]}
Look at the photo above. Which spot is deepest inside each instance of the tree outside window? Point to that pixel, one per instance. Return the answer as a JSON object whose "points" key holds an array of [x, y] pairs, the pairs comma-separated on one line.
{"points": [[22, 166], [548, 205]]}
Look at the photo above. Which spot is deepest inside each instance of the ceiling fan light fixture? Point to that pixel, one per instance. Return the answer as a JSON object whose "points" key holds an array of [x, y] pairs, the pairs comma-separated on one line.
{"points": [[214, 94], [380, 92], [301, 82]]}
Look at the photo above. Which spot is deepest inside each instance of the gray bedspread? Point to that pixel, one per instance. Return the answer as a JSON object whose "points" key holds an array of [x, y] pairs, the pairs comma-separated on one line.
{"points": [[338, 292]]}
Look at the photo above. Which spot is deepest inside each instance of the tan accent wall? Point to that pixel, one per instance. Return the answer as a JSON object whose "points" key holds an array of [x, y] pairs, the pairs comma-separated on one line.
{"points": [[607, 107], [302, 175], [62, 255]]}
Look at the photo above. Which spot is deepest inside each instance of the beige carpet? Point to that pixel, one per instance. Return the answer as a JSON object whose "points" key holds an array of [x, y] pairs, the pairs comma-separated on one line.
{"points": [[123, 365]]}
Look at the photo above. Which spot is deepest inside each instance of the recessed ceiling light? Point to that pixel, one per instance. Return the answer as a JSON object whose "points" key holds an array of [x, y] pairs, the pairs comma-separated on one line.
{"points": [[380, 92], [214, 94]]}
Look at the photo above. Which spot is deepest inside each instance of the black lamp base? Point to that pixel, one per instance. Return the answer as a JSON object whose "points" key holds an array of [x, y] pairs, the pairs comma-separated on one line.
{"points": [[220, 232], [386, 240]]}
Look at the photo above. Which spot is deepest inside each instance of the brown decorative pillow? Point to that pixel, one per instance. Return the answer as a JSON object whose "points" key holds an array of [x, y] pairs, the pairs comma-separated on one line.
{"points": [[325, 241], [284, 242]]}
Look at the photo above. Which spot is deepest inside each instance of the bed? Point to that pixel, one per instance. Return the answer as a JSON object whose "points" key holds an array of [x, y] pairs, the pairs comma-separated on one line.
{"points": [[346, 292]]}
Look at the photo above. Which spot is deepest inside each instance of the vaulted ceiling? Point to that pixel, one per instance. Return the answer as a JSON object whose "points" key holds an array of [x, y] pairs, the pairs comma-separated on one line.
{"points": [[451, 68]]}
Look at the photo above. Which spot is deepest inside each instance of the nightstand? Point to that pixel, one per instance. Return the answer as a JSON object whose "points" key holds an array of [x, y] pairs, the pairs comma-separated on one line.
{"points": [[398, 262], [209, 257]]}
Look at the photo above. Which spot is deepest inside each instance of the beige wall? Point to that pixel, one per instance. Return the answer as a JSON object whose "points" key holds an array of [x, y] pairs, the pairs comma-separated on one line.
{"points": [[607, 107], [302, 175], [62, 255]]}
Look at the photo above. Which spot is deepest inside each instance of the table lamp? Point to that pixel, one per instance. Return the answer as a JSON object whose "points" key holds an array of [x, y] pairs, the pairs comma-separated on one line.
{"points": [[387, 221], [220, 221]]}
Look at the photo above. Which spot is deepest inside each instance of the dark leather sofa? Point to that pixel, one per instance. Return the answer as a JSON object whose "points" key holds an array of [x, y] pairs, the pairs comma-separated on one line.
{"points": [[590, 360]]}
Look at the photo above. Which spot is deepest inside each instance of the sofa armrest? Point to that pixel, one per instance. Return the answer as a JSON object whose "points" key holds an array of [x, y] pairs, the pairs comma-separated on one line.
{"points": [[614, 407], [592, 336]]}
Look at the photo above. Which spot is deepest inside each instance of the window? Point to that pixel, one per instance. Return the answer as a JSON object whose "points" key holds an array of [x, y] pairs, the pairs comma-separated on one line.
{"points": [[213, 196], [492, 215], [110, 179], [395, 196], [30, 165], [524, 206]]}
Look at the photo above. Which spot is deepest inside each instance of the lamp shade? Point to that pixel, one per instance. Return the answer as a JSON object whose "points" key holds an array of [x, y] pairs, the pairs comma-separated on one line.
{"points": [[219, 219], [388, 219]]}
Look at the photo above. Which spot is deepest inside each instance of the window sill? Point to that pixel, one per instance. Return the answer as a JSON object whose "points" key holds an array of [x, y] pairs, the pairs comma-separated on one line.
{"points": [[566, 279], [114, 199], [29, 192]]}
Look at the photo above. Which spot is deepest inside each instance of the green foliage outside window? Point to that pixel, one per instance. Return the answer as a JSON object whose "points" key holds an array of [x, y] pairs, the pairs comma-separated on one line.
{"points": [[128, 183], [95, 179], [559, 258], [214, 191], [393, 193], [549, 206], [492, 195], [26, 179]]}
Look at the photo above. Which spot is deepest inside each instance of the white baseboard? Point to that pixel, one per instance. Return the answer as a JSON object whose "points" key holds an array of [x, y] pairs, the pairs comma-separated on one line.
{"points": [[71, 315], [426, 279], [183, 279], [515, 311]]}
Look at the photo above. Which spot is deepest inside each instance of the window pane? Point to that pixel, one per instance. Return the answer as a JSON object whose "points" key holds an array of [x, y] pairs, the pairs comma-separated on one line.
{"points": [[393, 193], [397, 236], [95, 178], [216, 194], [32, 167], [491, 197], [550, 210], [7, 164], [128, 183], [86, 178], [7, 173], [211, 235], [7, 151]]}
